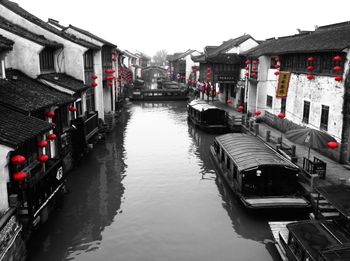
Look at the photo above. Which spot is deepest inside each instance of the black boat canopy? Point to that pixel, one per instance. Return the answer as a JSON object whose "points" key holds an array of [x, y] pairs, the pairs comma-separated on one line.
{"points": [[203, 106], [341, 253], [250, 152], [338, 196]]}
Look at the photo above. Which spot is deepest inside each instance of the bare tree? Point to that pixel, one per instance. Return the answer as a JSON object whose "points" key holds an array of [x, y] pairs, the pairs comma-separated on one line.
{"points": [[160, 58]]}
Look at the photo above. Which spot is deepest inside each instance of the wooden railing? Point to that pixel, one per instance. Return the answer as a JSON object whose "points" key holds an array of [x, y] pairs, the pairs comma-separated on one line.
{"points": [[91, 125]]}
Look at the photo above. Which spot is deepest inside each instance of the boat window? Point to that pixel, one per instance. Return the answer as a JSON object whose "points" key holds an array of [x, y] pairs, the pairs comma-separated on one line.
{"points": [[228, 162]]}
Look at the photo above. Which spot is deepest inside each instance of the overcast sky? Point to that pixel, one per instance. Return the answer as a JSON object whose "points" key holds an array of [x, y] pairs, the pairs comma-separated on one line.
{"points": [[151, 25]]}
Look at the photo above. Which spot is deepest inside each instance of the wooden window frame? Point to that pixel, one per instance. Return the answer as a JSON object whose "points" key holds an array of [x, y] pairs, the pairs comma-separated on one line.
{"points": [[306, 112], [47, 60], [268, 102], [324, 117]]}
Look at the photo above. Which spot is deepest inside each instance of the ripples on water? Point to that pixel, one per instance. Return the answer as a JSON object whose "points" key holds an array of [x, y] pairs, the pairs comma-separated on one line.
{"points": [[149, 192]]}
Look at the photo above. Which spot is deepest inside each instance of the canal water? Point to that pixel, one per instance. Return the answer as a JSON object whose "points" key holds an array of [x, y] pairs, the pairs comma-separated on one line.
{"points": [[149, 192]]}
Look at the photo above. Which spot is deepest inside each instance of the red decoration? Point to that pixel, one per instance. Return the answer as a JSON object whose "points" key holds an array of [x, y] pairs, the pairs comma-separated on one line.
{"points": [[43, 158], [255, 62], [19, 176], [337, 68], [110, 84], [209, 69], [18, 160], [277, 59], [332, 145], [114, 52], [246, 68], [240, 108], [246, 74], [277, 66], [110, 71], [42, 143], [257, 113], [254, 75], [50, 114], [94, 84], [311, 59], [254, 69], [338, 78], [94, 77], [337, 58], [277, 73], [281, 115], [310, 76], [114, 59], [52, 136], [247, 61], [110, 77], [73, 109], [229, 102], [310, 68]]}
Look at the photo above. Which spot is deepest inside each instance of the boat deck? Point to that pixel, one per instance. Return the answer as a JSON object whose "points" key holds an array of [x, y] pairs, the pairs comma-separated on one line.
{"points": [[280, 228]]}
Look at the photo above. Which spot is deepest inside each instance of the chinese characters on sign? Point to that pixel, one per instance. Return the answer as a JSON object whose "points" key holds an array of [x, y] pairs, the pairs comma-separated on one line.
{"points": [[226, 78], [283, 84]]}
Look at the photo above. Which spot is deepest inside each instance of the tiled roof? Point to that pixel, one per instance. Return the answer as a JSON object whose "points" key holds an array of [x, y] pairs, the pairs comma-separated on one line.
{"points": [[177, 56], [324, 39], [92, 35], [25, 14], [198, 58], [17, 128], [22, 93], [22, 32], [227, 45], [65, 81], [5, 44], [228, 58]]}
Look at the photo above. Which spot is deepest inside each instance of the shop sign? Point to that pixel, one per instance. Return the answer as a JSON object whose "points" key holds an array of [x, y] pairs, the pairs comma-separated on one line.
{"points": [[283, 84]]}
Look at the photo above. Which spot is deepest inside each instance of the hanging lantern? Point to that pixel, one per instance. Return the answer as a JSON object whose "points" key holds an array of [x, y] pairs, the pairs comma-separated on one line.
{"points": [[281, 115], [240, 108], [310, 76], [114, 52], [110, 71], [332, 145], [255, 62], [18, 160], [246, 74], [310, 68], [277, 59], [73, 109], [110, 84], [257, 113], [254, 69], [94, 84], [311, 59], [110, 77], [209, 69], [254, 75], [50, 114], [247, 61], [42, 143], [277, 73], [229, 101], [277, 66], [337, 68], [337, 58], [338, 78], [52, 136], [43, 158], [246, 68], [94, 77], [19, 176], [114, 59]]}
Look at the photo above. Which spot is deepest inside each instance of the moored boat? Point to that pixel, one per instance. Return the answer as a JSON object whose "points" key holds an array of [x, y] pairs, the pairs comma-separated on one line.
{"points": [[159, 95], [258, 175]]}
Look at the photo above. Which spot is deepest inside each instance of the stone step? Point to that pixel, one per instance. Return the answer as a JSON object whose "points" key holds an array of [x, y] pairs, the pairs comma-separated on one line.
{"points": [[326, 208], [330, 214]]}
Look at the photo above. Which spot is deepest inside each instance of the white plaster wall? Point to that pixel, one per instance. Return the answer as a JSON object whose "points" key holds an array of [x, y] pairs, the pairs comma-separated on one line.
{"points": [[233, 50], [4, 176], [99, 88], [246, 45], [24, 56]]}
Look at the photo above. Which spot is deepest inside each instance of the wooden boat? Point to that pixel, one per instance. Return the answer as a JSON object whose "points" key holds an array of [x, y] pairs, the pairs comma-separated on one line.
{"points": [[159, 95], [257, 174], [208, 117], [311, 240]]}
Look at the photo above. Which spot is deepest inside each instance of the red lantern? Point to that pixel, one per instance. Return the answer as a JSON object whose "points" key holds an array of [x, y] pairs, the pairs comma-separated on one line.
{"points": [[277, 73], [94, 77], [42, 143], [255, 62], [209, 69], [246, 74], [73, 109], [337, 68], [254, 75], [257, 113], [311, 59], [240, 108], [310, 68], [114, 59], [254, 69], [52, 136], [246, 68], [337, 58], [247, 61], [110, 77], [281, 115], [110, 84], [43, 158], [114, 52], [110, 71], [94, 84], [277, 59], [277, 66], [310, 76], [332, 145], [229, 101], [18, 160], [338, 78], [19, 176], [50, 114]]}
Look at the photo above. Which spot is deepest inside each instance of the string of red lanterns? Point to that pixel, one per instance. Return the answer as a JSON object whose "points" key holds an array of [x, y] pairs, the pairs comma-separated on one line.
{"points": [[247, 62], [94, 83], [338, 68], [209, 72], [18, 160], [20, 176], [50, 114], [310, 68], [277, 62], [52, 136]]}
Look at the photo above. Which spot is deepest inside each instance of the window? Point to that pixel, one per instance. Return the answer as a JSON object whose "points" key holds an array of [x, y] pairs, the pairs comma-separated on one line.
{"points": [[324, 117], [306, 111], [283, 105], [269, 101], [88, 60], [233, 90], [90, 99], [272, 63], [228, 163], [46, 59]]}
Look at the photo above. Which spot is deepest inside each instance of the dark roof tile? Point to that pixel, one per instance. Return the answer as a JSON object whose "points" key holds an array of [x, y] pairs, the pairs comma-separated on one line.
{"points": [[65, 81], [227, 45]]}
